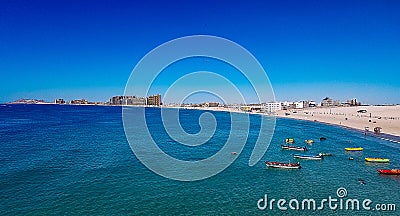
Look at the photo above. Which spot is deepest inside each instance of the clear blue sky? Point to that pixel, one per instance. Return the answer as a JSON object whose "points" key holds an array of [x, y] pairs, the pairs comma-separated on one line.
{"points": [[310, 49]]}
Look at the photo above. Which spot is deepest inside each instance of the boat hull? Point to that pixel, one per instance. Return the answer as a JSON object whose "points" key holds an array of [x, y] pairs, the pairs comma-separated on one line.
{"points": [[283, 165], [354, 149], [377, 160], [389, 172], [308, 157], [294, 148]]}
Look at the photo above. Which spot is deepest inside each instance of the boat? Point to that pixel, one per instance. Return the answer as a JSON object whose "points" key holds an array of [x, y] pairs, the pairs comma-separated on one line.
{"points": [[234, 153], [289, 140], [309, 141], [287, 147], [322, 138], [354, 149], [325, 154], [350, 158], [389, 171], [377, 160], [308, 157], [283, 165]]}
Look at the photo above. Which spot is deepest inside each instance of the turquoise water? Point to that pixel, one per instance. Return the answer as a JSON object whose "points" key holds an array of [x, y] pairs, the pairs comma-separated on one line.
{"points": [[76, 160]]}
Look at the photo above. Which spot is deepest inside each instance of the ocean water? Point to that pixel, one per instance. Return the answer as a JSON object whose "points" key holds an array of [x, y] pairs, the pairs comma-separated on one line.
{"points": [[70, 160]]}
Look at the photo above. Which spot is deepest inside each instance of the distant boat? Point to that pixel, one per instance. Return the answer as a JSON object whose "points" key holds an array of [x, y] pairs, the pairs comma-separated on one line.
{"points": [[308, 157], [322, 138], [354, 149], [234, 153], [289, 140], [283, 165], [325, 154], [389, 171], [309, 141], [377, 160], [295, 148]]}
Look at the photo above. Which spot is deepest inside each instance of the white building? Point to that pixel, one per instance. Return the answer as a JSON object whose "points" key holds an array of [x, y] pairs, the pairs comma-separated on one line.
{"points": [[271, 107], [298, 105]]}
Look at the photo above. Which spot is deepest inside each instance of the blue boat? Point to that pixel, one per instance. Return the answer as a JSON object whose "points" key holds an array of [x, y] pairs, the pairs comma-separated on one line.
{"points": [[308, 157]]}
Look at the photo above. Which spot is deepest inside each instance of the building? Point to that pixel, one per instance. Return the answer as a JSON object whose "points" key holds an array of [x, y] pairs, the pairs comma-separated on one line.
{"points": [[326, 102], [59, 101], [312, 104], [154, 100], [81, 101], [353, 102], [298, 105], [128, 100], [271, 107]]}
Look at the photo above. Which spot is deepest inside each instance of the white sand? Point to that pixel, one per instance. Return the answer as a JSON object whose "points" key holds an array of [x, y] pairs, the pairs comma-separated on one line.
{"points": [[386, 117]]}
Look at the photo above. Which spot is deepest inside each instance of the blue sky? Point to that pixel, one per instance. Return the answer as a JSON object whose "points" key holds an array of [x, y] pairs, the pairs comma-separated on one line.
{"points": [[310, 49]]}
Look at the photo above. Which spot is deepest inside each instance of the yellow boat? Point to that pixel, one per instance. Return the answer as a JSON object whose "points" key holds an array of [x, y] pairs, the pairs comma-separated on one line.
{"points": [[309, 141], [377, 160], [289, 140], [354, 149]]}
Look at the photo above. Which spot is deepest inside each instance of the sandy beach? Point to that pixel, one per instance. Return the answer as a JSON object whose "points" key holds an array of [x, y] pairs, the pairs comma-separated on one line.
{"points": [[386, 117]]}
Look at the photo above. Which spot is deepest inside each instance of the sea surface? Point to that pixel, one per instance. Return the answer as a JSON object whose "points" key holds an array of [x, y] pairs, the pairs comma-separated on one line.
{"points": [[74, 160]]}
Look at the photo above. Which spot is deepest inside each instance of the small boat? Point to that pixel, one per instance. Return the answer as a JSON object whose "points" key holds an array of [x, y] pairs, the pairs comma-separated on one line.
{"points": [[389, 171], [354, 149], [322, 138], [309, 141], [287, 147], [325, 154], [350, 158], [361, 181], [308, 157], [289, 140], [233, 153], [377, 160], [283, 165]]}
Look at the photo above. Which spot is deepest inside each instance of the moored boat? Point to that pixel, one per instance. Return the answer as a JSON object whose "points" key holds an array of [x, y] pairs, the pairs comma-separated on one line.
{"points": [[289, 140], [283, 165], [377, 160], [325, 154], [309, 141], [389, 171], [322, 138], [354, 149], [308, 157], [295, 148]]}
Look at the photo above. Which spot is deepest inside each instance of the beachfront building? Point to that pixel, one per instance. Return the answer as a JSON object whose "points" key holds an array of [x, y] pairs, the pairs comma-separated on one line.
{"points": [[326, 102], [154, 100], [298, 105], [80, 101], [128, 100], [210, 104], [271, 107], [59, 101], [312, 104], [353, 102]]}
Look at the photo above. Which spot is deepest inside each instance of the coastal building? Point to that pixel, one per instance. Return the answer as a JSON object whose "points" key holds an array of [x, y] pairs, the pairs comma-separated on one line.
{"points": [[59, 101], [80, 101], [271, 107], [154, 100], [353, 102], [312, 104], [326, 102], [210, 104], [298, 105], [128, 100]]}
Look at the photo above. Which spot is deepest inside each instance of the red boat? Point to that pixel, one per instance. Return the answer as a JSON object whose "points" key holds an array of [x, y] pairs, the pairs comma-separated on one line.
{"points": [[283, 165], [389, 171]]}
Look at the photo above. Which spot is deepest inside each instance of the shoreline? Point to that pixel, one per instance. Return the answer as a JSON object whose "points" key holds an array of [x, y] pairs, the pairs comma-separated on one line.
{"points": [[386, 117]]}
